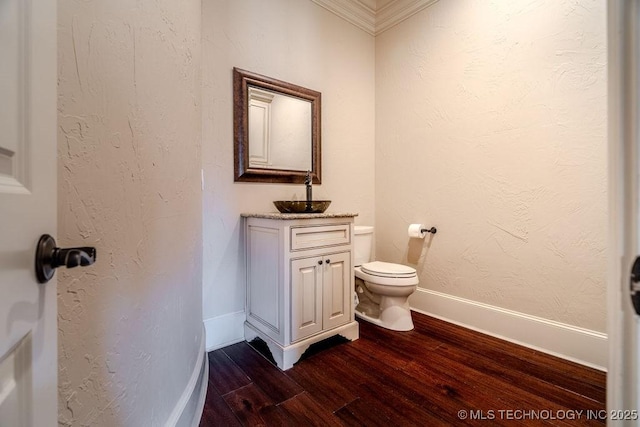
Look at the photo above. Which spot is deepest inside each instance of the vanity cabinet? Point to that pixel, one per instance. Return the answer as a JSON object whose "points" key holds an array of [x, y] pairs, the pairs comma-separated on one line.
{"points": [[299, 281]]}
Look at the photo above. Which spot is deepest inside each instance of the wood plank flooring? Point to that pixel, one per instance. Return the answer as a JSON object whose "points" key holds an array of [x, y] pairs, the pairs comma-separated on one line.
{"points": [[437, 374]]}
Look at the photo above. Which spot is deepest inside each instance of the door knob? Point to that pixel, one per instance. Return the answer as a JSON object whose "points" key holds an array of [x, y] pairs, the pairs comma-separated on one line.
{"points": [[49, 257], [634, 283]]}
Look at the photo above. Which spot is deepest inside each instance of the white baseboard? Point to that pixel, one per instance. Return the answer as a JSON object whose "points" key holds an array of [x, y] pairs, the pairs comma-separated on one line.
{"points": [[201, 387], [188, 409], [580, 345], [224, 330]]}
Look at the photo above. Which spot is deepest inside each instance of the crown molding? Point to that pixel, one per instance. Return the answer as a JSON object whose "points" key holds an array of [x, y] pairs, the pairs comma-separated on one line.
{"points": [[353, 11], [397, 11], [374, 21]]}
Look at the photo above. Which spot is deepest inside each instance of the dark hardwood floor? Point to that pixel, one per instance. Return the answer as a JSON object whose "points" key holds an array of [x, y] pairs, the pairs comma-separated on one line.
{"points": [[437, 374]]}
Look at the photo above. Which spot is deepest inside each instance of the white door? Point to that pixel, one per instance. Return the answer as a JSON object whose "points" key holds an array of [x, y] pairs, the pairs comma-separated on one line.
{"points": [[28, 317], [624, 225], [336, 290], [306, 297]]}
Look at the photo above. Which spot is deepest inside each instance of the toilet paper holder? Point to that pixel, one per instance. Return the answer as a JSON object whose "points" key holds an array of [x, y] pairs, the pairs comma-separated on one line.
{"points": [[429, 230]]}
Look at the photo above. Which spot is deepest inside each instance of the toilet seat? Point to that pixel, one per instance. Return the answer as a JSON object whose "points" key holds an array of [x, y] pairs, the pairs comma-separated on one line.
{"points": [[386, 281], [387, 269]]}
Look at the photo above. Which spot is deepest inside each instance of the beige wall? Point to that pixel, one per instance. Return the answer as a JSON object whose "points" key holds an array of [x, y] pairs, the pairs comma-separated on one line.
{"points": [[489, 122], [491, 125], [298, 42], [129, 183]]}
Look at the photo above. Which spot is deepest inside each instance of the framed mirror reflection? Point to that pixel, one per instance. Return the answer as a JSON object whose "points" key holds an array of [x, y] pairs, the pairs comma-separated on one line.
{"points": [[276, 130]]}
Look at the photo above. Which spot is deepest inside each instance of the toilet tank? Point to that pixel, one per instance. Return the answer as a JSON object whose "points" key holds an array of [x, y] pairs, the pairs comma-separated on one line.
{"points": [[362, 244]]}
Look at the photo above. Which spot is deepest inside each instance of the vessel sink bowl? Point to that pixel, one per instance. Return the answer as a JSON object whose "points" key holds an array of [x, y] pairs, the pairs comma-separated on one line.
{"points": [[302, 206]]}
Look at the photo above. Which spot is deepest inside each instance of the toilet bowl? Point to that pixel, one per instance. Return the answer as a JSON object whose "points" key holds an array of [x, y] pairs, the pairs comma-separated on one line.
{"points": [[382, 288]]}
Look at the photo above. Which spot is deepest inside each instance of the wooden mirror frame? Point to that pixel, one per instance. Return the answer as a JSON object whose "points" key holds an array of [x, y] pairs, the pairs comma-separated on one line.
{"points": [[242, 79]]}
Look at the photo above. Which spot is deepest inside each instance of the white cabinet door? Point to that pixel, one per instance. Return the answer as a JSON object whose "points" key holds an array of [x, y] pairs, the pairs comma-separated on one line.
{"points": [[336, 285], [28, 328], [320, 294], [306, 297]]}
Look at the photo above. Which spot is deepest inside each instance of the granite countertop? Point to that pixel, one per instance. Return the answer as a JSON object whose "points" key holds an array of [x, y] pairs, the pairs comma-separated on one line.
{"points": [[278, 215]]}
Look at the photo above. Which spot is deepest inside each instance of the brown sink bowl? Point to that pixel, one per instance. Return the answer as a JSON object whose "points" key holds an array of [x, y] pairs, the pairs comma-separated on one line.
{"points": [[302, 206]]}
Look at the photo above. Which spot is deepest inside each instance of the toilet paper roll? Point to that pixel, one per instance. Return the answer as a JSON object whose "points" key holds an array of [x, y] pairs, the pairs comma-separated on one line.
{"points": [[415, 231]]}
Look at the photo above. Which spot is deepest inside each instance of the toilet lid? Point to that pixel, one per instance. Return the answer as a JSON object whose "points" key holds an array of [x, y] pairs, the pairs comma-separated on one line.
{"points": [[387, 269]]}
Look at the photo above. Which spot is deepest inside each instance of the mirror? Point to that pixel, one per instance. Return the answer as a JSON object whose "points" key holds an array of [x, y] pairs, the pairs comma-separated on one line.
{"points": [[276, 130]]}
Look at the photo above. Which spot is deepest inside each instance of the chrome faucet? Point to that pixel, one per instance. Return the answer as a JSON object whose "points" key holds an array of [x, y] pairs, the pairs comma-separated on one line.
{"points": [[307, 182]]}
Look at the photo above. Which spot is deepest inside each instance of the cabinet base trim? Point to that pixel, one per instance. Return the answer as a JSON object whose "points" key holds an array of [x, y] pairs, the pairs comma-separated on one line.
{"points": [[286, 356]]}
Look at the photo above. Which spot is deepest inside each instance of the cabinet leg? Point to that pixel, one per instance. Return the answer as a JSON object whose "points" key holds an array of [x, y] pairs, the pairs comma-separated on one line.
{"points": [[286, 356]]}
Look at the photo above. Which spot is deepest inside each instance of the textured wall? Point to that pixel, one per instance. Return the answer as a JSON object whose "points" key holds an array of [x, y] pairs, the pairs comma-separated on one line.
{"points": [[491, 125], [298, 42], [129, 184]]}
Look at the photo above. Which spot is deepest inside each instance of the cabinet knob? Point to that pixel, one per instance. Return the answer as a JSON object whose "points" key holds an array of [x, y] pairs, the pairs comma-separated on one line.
{"points": [[320, 262], [328, 261]]}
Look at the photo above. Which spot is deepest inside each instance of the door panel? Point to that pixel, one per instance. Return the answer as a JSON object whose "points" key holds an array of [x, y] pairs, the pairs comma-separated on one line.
{"points": [[14, 84], [15, 385], [28, 317], [336, 286], [624, 225], [306, 297]]}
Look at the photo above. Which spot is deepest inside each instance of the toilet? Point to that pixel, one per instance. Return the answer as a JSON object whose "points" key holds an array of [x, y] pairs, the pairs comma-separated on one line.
{"points": [[382, 288]]}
